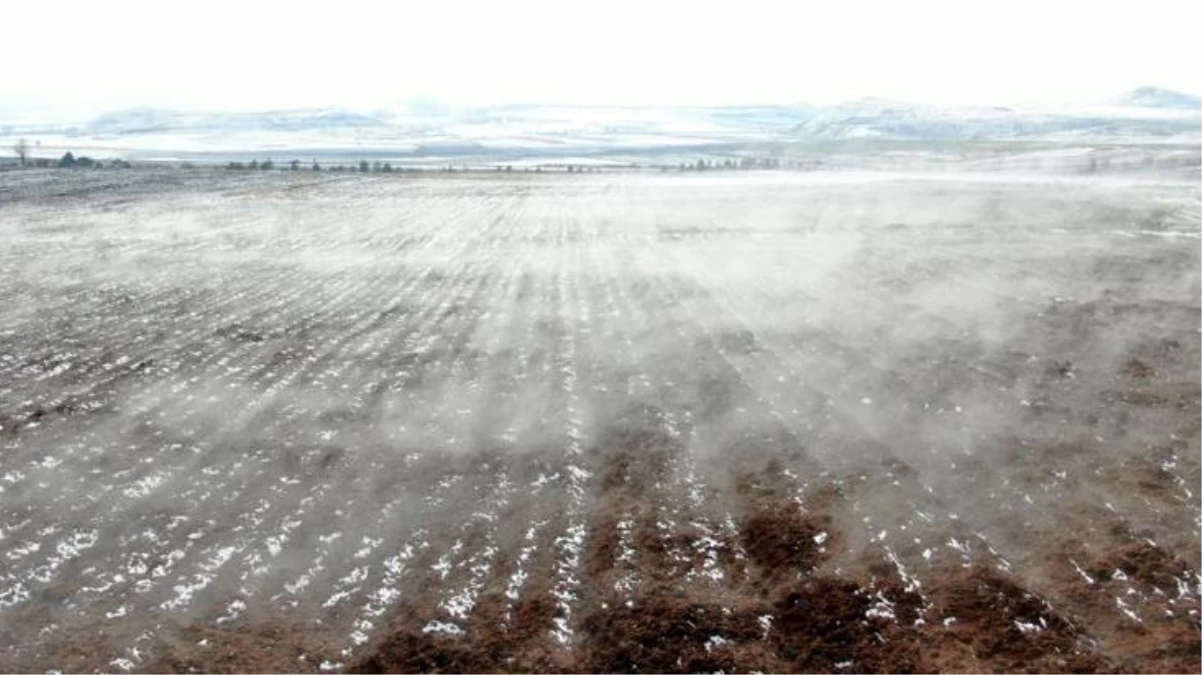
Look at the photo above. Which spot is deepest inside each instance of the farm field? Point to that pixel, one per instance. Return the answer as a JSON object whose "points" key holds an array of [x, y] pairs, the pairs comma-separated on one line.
{"points": [[768, 421]]}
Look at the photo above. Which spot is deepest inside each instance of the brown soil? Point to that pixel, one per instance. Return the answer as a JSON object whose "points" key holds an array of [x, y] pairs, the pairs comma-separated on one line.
{"points": [[1145, 564], [850, 475], [989, 607], [277, 646], [780, 540]]}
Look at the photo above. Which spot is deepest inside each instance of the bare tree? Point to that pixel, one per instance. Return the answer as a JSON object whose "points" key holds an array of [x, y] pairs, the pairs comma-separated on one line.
{"points": [[21, 147]]}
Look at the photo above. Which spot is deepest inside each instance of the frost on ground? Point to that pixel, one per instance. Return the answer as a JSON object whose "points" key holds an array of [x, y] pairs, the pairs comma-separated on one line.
{"points": [[821, 422]]}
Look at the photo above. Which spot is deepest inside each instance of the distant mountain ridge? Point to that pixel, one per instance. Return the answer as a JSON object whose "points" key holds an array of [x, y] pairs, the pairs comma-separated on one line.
{"points": [[864, 118], [522, 130], [1159, 97], [1143, 112], [145, 119]]}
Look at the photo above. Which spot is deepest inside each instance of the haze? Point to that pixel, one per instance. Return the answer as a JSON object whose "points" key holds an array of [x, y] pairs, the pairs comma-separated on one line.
{"points": [[88, 57], [464, 338]]}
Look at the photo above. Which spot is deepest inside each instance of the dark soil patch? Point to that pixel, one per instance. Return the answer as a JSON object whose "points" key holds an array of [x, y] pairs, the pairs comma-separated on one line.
{"points": [[493, 641], [1146, 564], [823, 626], [1138, 369], [666, 633], [415, 652], [820, 624], [780, 539], [276, 646], [634, 451], [1008, 628], [604, 541]]}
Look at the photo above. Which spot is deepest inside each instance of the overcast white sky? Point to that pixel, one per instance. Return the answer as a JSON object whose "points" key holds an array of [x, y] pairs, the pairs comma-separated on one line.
{"points": [[253, 54]]}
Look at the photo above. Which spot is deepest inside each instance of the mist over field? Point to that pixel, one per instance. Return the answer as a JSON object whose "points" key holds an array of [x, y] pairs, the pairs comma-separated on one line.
{"points": [[534, 337], [823, 420]]}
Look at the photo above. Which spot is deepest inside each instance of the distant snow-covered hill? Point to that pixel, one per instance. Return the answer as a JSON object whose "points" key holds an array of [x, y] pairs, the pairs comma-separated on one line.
{"points": [[1159, 97], [419, 128], [424, 127], [543, 118], [156, 120], [871, 117], [1147, 112]]}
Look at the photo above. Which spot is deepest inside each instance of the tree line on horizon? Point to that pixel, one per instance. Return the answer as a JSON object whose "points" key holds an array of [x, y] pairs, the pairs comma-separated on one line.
{"points": [[730, 164], [68, 161]]}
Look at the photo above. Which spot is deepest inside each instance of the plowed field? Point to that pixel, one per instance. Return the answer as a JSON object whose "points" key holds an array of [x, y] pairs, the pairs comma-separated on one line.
{"points": [[776, 422]]}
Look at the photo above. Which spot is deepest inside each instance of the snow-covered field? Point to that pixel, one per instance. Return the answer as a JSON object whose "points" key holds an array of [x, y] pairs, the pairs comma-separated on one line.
{"points": [[307, 422]]}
